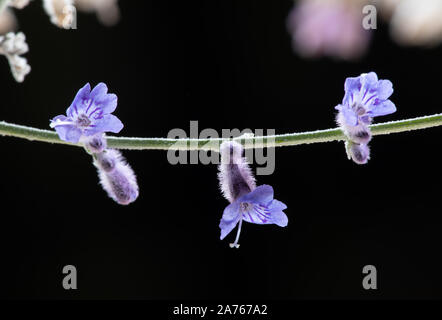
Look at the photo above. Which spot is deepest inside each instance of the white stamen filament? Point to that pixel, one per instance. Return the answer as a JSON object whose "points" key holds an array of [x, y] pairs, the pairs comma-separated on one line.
{"points": [[236, 244]]}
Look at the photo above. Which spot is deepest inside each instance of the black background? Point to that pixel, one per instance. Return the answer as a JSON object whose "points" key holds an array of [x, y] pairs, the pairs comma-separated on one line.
{"points": [[227, 64]]}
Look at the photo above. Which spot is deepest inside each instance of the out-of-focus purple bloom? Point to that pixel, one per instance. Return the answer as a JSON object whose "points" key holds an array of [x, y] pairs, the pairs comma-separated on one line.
{"points": [[247, 202], [116, 176], [365, 97], [332, 28], [88, 115]]}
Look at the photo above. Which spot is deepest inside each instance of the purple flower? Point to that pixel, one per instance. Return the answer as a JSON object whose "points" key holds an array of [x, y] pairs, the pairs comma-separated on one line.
{"points": [[247, 202], [88, 115], [365, 97], [257, 206]]}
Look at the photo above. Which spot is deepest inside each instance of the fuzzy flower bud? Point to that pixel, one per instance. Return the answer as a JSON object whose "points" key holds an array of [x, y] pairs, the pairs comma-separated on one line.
{"points": [[116, 176], [359, 153], [96, 143], [234, 175]]}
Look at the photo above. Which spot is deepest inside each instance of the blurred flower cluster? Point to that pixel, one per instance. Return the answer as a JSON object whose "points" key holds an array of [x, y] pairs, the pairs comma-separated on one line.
{"points": [[335, 27], [62, 13], [12, 46]]}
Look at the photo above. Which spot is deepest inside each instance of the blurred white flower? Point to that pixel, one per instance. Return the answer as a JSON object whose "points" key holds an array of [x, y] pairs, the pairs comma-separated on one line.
{"points": [[107, 11], [61, 12], [12, 46], [8, 22], [417, 22], [19, 4], [19, 67], [328, 27]]}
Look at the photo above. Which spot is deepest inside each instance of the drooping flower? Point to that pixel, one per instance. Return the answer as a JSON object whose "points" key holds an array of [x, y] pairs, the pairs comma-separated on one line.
{"points": [[247, 202], [88, 115], [365, 97], [116, 176]]}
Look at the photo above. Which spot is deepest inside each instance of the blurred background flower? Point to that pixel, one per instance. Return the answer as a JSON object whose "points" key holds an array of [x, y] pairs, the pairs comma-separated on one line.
{"points": [[328, 28], [417, 22], [107, 11]]}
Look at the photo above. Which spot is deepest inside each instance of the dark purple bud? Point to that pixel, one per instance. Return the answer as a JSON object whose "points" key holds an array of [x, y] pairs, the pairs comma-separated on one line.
{"points": [[96, 144], [360, 153]]}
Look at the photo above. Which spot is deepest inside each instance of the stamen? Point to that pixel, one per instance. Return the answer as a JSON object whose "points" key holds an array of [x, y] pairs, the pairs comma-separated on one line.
{"points": [[236, 244]]}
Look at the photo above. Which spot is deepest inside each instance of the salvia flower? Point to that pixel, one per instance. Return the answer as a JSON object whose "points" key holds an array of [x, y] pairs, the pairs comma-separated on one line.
{"points": [[116, 176], [365, 97], [247, 202], [88, 115]]}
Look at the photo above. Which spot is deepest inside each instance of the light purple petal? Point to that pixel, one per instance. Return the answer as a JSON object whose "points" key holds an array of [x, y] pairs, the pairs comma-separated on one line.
{"points": [[271, 214], [108, 103], [232, 211], [257, 214], [352, 84], [109, 123], [99, 90], [352, 87], [277, 205], [384, 89], [369, 80], [350, 116], [261, 195], [227, 226], [278, 216], [68, 133], [78, 103], [382, 109]]}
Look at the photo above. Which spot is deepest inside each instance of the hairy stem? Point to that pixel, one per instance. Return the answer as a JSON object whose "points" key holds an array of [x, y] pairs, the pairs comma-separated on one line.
{"points": [[290, 139]]}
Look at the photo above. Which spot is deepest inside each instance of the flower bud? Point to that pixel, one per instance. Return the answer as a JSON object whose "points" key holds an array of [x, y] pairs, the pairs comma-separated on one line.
{"points": [[95, 144], [116, 176], [235, 176], [359, 153]]}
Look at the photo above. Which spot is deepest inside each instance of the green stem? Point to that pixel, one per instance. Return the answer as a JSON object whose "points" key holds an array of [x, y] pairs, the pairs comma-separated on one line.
{"points": [[290, 139]]}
